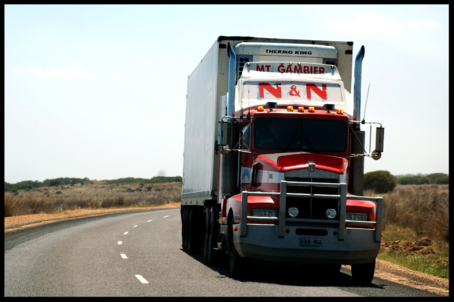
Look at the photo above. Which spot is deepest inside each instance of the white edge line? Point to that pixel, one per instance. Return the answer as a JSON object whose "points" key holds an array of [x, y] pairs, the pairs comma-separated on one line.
{"points": [[141, 279]]}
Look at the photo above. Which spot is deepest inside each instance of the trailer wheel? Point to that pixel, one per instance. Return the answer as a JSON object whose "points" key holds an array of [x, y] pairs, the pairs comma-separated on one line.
{"points": [[363, 273], [206, 241], [182, 210], [192, 231], [186, 228], [235, 260], [210, 256], [183, 227]]}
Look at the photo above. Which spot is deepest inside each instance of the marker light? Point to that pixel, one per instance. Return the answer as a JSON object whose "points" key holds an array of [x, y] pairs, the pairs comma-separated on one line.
{"points": [[289, 108], [340, 111], [260, 108], [300, 109], [311, 109]]}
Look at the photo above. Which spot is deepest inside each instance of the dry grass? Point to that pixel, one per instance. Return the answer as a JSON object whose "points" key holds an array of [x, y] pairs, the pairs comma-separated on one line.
{"points": [[421, 208], [411, 214], [91, 195]]}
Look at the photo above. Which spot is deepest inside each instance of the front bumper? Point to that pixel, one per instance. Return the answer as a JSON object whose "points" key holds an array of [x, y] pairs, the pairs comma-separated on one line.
{"points": [[280, 242], [262, 242]]}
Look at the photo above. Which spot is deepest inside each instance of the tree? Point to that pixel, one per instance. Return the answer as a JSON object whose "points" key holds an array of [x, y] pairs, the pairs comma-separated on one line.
{"points": [[434, 177], [22, 186], [443, 180], [423, 180], [379, 181], [54, 182], [406, 180]]}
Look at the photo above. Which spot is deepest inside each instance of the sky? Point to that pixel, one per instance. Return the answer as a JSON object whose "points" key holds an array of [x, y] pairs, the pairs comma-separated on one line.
{"points": [[99, 91]]}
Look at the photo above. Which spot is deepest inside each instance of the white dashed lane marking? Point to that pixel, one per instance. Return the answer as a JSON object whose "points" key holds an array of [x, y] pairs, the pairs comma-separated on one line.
{"points": [[165, 216], [120, 242], [141, 279], [149, 220], [123, 256], [135, 226]]}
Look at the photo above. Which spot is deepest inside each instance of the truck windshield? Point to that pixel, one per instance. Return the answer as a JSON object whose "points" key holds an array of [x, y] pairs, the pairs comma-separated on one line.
{"points": [[300, 134]]}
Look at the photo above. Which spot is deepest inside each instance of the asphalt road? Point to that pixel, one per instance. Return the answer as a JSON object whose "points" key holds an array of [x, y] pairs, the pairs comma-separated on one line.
{"points": [[140, 254]]}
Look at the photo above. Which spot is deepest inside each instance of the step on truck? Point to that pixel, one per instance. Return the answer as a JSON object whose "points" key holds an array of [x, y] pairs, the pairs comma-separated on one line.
{"points": [[274, 157]]}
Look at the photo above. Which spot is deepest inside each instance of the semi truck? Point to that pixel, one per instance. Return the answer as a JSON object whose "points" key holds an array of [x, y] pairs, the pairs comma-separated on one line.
{"points": [[273, 160]]}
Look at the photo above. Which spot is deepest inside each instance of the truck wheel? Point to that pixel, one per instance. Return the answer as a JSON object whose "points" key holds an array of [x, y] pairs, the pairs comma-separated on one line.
{"points": [[235, 260], [211, 256], [206, 241], [363, 273], [183, 227], [200, 231], [192, 231], [186, 228], [182, 210]]}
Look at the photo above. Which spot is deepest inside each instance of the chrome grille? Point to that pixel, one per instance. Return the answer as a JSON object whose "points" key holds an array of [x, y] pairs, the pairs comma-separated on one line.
{"points": [[312, 208]]}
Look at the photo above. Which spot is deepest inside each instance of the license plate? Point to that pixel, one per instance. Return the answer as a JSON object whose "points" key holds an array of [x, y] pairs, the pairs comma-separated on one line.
{"points": [[311, 242]]}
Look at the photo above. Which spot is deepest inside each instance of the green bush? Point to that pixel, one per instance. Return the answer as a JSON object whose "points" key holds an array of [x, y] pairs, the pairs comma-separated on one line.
{"points": [[423, 180], [379, 181], [22, 186], [54, 183], [434, 177], [406, 180], [442, 180], [153, 180]]}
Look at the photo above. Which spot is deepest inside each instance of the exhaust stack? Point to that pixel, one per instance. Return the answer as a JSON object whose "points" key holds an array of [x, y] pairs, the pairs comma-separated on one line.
{"points": [[357, 95], [231, 82]]}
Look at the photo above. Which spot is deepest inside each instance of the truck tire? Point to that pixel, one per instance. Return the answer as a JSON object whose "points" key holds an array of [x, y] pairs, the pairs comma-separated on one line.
{"points": [[206, 241], [236, 262], [193, 230], [182, 226], [363, 273], [211, 256], [186, 229]]}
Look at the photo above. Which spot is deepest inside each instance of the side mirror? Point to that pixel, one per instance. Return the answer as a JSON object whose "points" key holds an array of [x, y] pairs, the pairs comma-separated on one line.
{"points": [[221, 143], [379, 137]]}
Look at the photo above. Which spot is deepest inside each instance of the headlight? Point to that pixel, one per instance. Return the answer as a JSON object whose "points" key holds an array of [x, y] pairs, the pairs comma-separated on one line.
{"points": [[331, 213], [264, 212], [361, 216], [293, 212]]}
